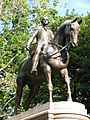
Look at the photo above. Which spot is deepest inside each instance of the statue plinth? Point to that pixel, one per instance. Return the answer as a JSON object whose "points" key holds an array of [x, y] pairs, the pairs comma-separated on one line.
{"points": [[63, 110]]}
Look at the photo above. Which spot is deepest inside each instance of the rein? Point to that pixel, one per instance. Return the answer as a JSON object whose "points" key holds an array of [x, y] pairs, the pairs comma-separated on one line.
{"points": [[55, 44], [62, 48]]}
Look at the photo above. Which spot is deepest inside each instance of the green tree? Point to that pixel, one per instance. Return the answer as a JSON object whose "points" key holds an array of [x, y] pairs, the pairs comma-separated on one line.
{"points": [[13, 38]]}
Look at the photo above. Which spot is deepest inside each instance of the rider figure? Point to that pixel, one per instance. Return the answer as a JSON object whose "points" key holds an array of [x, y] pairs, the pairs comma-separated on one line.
{"points": [[43, 36]]}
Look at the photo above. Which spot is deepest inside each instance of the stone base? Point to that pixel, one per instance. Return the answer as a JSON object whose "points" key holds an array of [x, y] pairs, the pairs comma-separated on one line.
{"points": [[63, 110]]}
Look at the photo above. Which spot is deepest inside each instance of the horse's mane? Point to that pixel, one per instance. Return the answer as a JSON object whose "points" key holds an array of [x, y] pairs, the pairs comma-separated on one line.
{"points": [[60, 29], [64, 24]]}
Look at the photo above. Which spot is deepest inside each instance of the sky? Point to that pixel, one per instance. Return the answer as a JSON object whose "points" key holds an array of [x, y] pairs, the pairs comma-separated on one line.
{"points": [[80, 6]]}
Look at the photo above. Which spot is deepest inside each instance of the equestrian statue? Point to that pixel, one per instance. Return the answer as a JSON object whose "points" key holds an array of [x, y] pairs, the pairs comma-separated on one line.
{"points": [[47, 59]]}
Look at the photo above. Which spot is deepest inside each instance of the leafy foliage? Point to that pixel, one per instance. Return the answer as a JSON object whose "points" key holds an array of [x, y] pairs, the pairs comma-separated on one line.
{"points": [[18, 19]]}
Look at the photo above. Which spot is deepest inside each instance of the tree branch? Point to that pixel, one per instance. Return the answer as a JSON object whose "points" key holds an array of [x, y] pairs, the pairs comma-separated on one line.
{"points": [[8, 103], [9, 62]]}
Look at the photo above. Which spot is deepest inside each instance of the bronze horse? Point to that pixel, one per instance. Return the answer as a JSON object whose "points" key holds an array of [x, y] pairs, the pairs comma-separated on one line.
{"points": [[54, 61]]}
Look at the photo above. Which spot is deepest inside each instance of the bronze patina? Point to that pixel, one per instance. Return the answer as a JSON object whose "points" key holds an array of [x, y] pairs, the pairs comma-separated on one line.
{"points": [[53, 61], [43, 35]]}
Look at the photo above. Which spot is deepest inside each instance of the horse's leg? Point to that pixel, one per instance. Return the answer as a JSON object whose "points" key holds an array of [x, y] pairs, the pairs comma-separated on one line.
{"points": [[33, 89], [47, 70], [20, 79], [64, 73]]}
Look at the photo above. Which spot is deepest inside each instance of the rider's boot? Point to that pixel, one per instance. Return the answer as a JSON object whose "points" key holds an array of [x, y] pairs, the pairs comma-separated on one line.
{"points": [[34, 71], [34, 67]]}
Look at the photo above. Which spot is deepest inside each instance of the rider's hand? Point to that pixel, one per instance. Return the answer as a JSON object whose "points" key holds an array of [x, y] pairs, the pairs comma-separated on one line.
{"points": [[28, 47]]}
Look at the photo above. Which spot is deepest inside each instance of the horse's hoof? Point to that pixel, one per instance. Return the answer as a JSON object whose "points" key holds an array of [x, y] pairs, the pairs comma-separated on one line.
{"points": [[70, 100]]}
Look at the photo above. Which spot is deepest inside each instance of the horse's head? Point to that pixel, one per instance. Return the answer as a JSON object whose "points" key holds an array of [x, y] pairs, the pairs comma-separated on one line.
{"points": [[72, 30]]}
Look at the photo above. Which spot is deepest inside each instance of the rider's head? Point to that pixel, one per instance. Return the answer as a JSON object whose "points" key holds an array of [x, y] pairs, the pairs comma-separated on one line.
{"points": [[45, 20]]}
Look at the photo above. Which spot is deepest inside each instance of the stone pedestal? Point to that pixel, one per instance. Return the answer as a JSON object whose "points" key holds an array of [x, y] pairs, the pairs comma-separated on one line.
{"points": [[55, 111]]}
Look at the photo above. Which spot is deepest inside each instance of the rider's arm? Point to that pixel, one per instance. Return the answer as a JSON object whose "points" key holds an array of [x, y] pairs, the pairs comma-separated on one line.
{"points": [[32, 38], [51, 34]]}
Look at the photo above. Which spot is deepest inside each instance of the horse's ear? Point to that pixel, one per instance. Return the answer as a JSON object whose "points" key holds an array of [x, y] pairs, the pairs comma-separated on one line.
{"points": [[80, 21], [74, 20]]}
